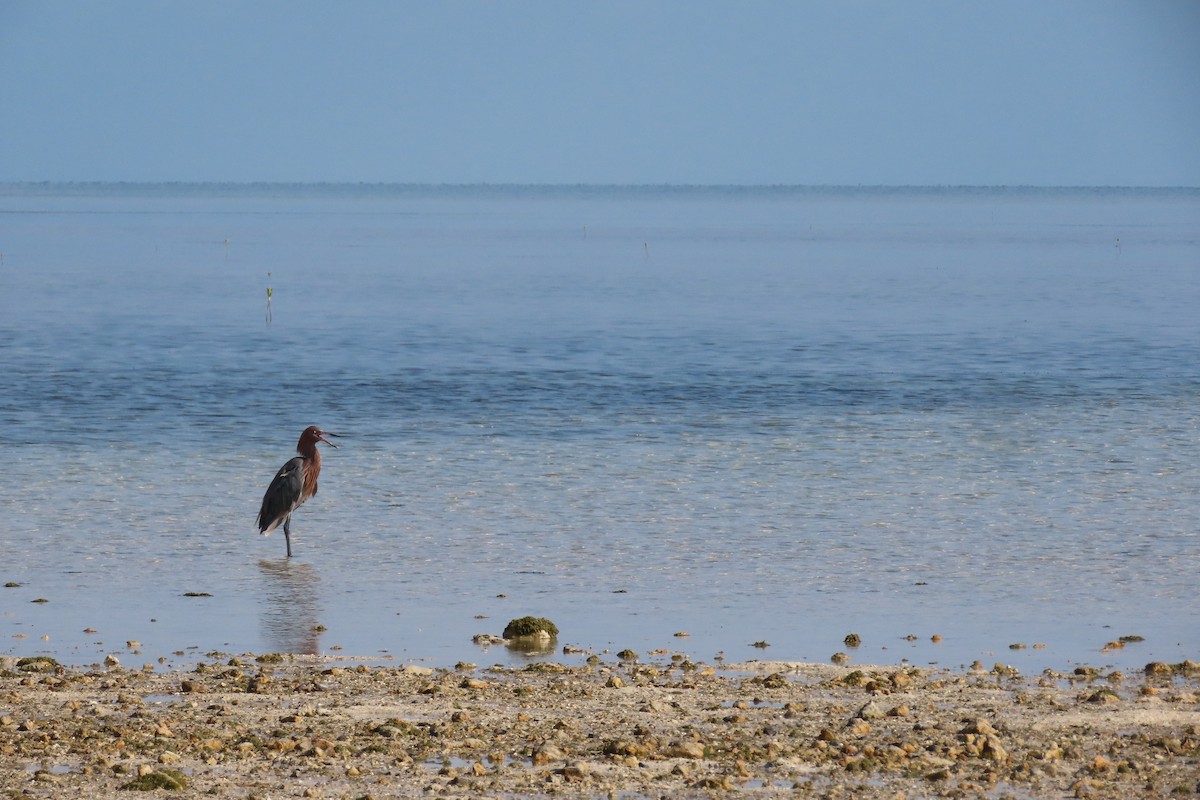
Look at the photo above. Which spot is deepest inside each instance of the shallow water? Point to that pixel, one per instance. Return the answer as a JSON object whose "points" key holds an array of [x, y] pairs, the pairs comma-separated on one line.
{"points": [[748, 415]]}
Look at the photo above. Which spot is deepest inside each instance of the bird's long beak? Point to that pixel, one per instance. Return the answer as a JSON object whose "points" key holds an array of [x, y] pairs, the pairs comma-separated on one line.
{"points": [[322, 436]]}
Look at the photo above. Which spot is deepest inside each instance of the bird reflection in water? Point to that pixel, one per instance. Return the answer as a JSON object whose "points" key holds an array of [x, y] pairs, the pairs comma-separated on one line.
{"points": [[290, 611]]}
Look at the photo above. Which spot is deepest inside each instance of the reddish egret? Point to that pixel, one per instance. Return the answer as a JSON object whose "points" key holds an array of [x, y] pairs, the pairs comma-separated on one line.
{"points": [[295, 482]]}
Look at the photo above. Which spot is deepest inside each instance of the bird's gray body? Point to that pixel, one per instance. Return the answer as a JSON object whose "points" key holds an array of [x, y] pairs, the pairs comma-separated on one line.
{"points": [[284, 495]]}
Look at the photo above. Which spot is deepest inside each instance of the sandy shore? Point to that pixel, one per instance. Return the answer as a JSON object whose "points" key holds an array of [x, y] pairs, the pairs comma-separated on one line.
{"points": [[275, 727]]}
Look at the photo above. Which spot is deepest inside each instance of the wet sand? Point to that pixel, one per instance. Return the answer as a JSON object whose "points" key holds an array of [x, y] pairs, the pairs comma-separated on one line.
{"points": [[282, 726]]}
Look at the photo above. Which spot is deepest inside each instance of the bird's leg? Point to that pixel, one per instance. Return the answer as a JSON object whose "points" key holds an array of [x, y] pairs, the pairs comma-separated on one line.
{"points": [[287, 534]]}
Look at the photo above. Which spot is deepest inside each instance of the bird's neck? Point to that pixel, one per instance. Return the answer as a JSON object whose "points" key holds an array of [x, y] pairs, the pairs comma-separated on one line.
{"points": [[311, 454], [312, 468]]}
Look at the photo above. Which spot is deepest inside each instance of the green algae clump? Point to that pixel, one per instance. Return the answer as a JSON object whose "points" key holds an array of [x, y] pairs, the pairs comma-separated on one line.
{"points": [[530, 626], [171, 779]]}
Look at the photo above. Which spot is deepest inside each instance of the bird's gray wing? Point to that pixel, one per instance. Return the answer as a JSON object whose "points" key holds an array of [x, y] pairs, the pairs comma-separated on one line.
{"points": [[283, 495]]}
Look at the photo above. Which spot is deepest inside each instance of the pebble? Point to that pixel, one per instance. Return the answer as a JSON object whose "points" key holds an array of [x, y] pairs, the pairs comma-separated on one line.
{"points": [[872, 711], [548, 753], [487, 639], [858, 727], [980, 726], [413, 669], [574, 773], [692, 750]]}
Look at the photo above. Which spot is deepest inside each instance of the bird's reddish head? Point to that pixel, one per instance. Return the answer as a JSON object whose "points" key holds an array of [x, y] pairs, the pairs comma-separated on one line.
{"points": [[312, 434]]}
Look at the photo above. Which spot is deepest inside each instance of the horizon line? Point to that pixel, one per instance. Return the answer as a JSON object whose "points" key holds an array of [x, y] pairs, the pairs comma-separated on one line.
{"points": [[581, 185]]}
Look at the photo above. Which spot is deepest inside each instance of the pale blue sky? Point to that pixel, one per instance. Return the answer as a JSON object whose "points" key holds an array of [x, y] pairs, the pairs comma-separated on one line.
{"points": [[1080, 92]]}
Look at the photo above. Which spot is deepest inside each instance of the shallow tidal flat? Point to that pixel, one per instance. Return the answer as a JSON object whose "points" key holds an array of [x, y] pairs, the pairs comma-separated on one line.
{"points": [[283, 726]]}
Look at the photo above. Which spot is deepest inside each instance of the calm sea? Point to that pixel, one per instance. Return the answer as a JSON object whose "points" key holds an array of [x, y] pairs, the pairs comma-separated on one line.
{"points": [[749, 415]]}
